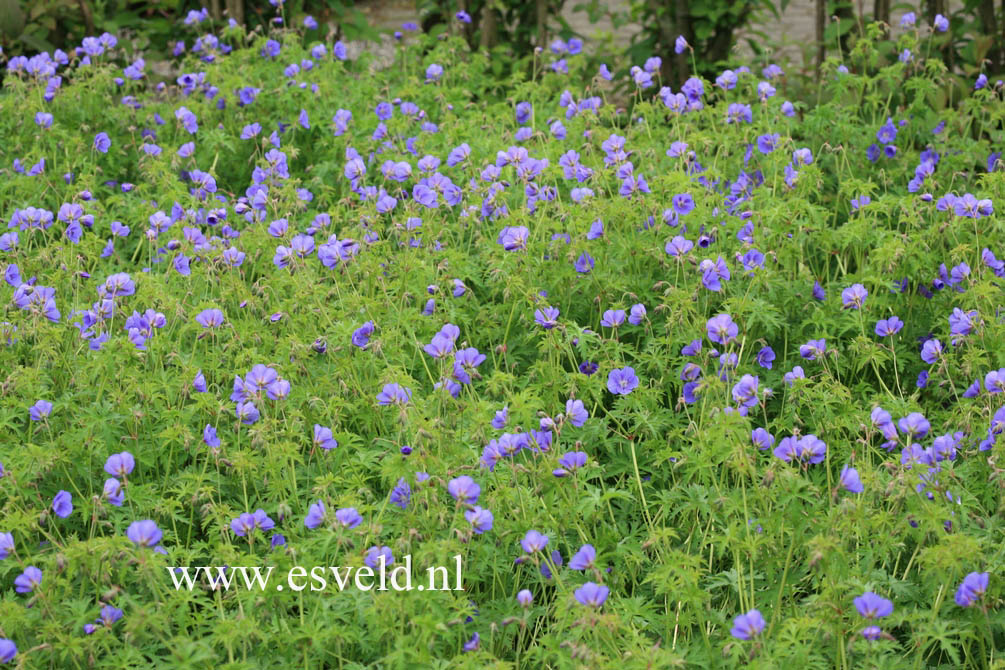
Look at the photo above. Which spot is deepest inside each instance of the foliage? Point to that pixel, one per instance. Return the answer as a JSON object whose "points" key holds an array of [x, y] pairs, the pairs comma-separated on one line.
{"points": [[520, 26], [972, 40], [45, 25], [304, 229], [709, 27]]}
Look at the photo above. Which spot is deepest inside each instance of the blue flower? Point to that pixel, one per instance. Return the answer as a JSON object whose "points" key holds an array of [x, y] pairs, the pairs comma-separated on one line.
{"points": [[62, 504], [850, 480], [746, 626], [622, 381], [102, 142]]}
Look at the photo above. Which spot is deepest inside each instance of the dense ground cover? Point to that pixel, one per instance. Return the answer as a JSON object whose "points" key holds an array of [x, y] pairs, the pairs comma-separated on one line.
{"points": [[713, 383]]}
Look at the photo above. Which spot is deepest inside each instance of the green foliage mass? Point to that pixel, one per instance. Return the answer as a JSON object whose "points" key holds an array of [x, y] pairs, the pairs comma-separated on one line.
{"points": [[692, 524]]}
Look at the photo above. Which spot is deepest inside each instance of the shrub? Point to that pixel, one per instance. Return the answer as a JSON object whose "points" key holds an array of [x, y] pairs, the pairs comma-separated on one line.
{"points": [[714, 383]]}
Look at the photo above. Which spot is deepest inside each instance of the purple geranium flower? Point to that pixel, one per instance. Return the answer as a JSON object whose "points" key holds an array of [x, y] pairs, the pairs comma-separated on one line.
{"points": [[570, 462], [888, 327], [144, 533], [401, 494], [479, 518], [931, 351], [8, 650], [6, 545], [323, 437], [62, 504], [575, 412], [584, 264], [813, 349], [40, 410], [973, 587], [533, 542], [210, 318], [394, 394], [113, 492], [102, 143], [28, 580], [850, 480], [546, 317], [348, 517], [592, 594], [765, 357], [762, 439], [584, 558], [854, 296], [873, 606], [315, 515], [464, 489], [120, 465], [746, 626], [622, 381], [721, 329]]}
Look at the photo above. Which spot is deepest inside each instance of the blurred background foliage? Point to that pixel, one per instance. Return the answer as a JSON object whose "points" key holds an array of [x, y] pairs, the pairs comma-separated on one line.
{"points": [[28, 26], [511, 29]]}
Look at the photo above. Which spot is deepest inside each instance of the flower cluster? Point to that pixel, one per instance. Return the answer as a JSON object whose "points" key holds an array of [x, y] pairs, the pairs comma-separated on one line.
{"points": [[511, 322]]}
